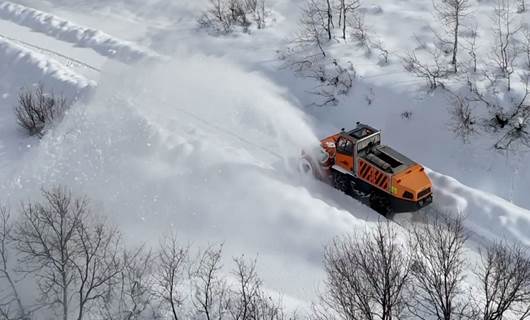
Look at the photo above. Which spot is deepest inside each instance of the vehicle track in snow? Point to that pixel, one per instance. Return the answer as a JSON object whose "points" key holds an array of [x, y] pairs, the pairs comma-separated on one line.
{"points": [[70, 60]]}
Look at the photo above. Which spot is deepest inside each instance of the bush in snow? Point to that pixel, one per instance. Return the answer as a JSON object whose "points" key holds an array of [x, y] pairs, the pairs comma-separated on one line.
{"points": [[509, 120], [432, 69], [37, 109], [223, 15], [463, 121]]}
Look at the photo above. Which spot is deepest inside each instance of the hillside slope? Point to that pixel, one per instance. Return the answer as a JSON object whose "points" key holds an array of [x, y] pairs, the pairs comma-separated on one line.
{"points": [[203, 143]]}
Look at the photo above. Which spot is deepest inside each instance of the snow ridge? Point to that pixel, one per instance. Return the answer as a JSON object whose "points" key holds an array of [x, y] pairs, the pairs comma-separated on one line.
{"points": [[65, 30], [31, 65]]}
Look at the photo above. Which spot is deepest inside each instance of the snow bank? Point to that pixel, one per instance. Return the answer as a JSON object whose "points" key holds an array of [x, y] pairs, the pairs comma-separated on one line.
{"points": [[65, 30], [22, 67], [489, 216]]}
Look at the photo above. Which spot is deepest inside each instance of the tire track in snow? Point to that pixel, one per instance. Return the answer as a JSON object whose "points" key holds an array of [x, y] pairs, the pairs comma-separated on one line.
{"points": [[52, 52], [67, 31]]}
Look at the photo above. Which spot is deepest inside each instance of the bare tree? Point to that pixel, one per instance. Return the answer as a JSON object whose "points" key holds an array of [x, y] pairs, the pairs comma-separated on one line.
{"points": [[329, 19], [346, 9], [366, 276], [248, 300], [471, 47], [359, 30], [505, 279], [37, 109], [245, 299], [311, 33], [437, 250], [211, 298], [506, 49], [172, 262], [260, 14], [131, 294], [451, 14], [9, 298], [71, 252]]}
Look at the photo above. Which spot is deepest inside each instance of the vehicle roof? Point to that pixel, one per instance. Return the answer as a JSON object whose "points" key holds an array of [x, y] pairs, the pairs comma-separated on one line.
{"points": [[361, 131]]}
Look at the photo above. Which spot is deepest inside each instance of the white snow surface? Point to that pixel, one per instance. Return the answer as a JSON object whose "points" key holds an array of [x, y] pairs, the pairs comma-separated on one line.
{"points": [[65, 30], [204, 144]]}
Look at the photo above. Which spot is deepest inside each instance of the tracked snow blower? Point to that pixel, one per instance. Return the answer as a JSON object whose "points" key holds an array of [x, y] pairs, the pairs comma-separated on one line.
{"points": [[356, 163]]}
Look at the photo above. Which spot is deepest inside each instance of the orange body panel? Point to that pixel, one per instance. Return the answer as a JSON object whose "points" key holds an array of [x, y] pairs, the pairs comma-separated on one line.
{"points": [[344, 161], [413, 180], [374, 175]]}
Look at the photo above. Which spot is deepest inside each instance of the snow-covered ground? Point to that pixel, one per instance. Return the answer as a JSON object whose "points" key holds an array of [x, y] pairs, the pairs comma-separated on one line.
{"points": [[202, 142]]}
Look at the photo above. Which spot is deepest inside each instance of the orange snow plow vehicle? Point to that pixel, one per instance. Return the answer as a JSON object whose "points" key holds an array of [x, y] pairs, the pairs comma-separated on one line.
{"points": [[356, 163]]}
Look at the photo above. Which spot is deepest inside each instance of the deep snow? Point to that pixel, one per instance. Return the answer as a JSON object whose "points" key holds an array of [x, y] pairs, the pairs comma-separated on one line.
{"points": [[204, 142]]}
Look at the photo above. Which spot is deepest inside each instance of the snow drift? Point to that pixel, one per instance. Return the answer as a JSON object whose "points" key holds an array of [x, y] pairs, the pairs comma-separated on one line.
{"points": [[65, 30]]}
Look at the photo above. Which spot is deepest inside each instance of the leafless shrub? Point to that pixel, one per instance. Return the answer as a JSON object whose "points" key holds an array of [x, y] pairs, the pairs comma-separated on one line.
{"points": [[38, 109], [172, 263], [406, 115], [437, 250], [222, 16], [366, 277], [463, 122], [384, 53], [11, 306], [510, 122], [334, 80], [432, 72], [505, 280], [72, 253]]}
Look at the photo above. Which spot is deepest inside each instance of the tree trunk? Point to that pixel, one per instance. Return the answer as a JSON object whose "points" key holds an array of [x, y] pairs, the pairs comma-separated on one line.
{"points": [[330, 19], [344, 20], [65, 295], [455, 44]]}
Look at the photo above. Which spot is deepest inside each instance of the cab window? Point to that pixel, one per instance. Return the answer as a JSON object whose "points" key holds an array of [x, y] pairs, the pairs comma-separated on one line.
{"points": [[345, 146]]}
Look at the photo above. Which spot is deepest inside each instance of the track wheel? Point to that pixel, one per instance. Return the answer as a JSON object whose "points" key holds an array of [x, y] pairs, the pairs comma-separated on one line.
{"points": [[381, 204], [342, 183]]}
